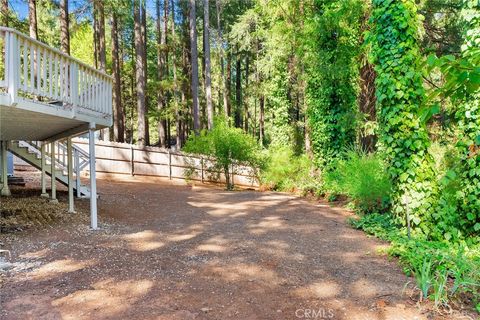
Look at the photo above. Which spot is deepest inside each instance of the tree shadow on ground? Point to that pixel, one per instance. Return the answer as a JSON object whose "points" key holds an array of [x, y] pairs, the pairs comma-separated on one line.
{"points": [[176, 252]]}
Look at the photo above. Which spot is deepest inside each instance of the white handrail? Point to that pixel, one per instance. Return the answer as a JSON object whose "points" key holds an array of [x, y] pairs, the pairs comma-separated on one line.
{"points": [[37, 72], [56, 51]]}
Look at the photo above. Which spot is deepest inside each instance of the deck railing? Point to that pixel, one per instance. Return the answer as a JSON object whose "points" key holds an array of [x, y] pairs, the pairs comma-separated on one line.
{"points": [[31, 70]]}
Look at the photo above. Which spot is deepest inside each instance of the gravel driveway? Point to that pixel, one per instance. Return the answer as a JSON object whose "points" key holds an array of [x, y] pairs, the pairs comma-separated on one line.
{"points": [[172, 251]]}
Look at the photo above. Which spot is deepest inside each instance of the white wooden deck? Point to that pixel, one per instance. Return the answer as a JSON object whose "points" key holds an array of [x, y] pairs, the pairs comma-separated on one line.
{"points": [[47, 95]]}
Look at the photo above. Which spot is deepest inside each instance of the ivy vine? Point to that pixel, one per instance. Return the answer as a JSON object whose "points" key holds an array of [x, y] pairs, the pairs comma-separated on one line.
{"points": [[399, 90], [332, 87]]}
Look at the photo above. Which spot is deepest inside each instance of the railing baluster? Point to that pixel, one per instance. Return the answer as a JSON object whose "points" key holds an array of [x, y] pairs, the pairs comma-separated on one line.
{"points": [[50, 74], [38, 70], [25, 65], [32, 68], [44, 69]]}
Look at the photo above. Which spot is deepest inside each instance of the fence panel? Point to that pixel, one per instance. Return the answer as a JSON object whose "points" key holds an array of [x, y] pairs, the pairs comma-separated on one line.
{"points": [[122, 158]]}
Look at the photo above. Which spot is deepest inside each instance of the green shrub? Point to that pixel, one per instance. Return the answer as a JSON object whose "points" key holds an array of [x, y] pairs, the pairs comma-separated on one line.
{"points": [[285, 171], [227, 146], [363, 178]]}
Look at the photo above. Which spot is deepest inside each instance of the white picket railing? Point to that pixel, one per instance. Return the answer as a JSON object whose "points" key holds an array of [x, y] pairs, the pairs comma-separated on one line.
{"points": [[33, 71]]}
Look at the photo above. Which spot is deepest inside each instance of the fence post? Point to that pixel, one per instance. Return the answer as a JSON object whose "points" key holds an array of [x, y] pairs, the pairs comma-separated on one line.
{"points": [[169, 164], [201, 164], [132, 161]]}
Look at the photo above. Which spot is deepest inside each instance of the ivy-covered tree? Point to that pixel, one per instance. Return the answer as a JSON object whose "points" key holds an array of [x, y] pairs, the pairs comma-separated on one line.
{"points": [[333, 72], [400, 94]]}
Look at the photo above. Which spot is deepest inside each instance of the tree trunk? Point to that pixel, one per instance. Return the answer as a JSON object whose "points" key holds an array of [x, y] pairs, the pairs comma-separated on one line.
{"points": [[194, 61], [145, 70], [238, 93], [64, 27], [246, 114], [5, 13], [367, 102], [139, 74], [99, 17], [161, 41], [118, 116], [178, 128], [99, 13], [261, 120], [32, 18], [95, 36], [222, 67], [208, 79], [228, 84]]}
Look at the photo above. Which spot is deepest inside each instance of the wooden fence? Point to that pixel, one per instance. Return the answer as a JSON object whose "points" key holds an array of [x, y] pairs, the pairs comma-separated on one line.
{"points": [[122, 158]]}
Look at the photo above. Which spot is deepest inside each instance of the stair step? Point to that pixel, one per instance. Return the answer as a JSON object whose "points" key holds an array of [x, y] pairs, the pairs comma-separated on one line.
{"points": [[25, 152]]}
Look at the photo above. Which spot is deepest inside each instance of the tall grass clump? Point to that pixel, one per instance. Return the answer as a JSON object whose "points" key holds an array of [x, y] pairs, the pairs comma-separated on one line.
{"points": [[362, 178], [285, 171]]}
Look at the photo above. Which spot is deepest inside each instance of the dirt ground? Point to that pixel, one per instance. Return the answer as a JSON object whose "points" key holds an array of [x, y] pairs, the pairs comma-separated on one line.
{"points": [[171, 251]]}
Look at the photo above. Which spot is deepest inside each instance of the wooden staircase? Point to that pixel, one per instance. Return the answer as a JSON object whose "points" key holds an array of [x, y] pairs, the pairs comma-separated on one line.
{"points": [[30, 152]]}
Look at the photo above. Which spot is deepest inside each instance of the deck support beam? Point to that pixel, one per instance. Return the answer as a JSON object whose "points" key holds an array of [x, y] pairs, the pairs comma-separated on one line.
{"points": [[43, 170], [71, 208], [53, 198], [93, 178], [5, 189]]}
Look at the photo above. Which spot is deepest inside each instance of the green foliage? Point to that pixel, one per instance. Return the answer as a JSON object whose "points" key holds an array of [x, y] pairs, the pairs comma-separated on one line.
{"points": [[227, 146], [332, 87], [443, 270], [81, 42], [459, 207], [399, 91], [363, 178], [285, 171]]}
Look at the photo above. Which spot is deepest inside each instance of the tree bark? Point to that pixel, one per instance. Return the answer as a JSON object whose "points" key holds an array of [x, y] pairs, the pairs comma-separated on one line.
{"points": [[261, 120], [99, 14], [246, 114], [208, 76], [139, 74], [32, 18], [161, 39], [238, 93], [64, 27], [228, 84], [145, 70], [222, 67], [118, 116], [178, 128], [194, 61]]}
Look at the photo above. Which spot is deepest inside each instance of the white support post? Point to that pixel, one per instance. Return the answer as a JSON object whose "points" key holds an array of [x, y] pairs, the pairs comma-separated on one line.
{"points": [[93, 180], [71, 208], [53, 198], [5, 190], [43, 168]]}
